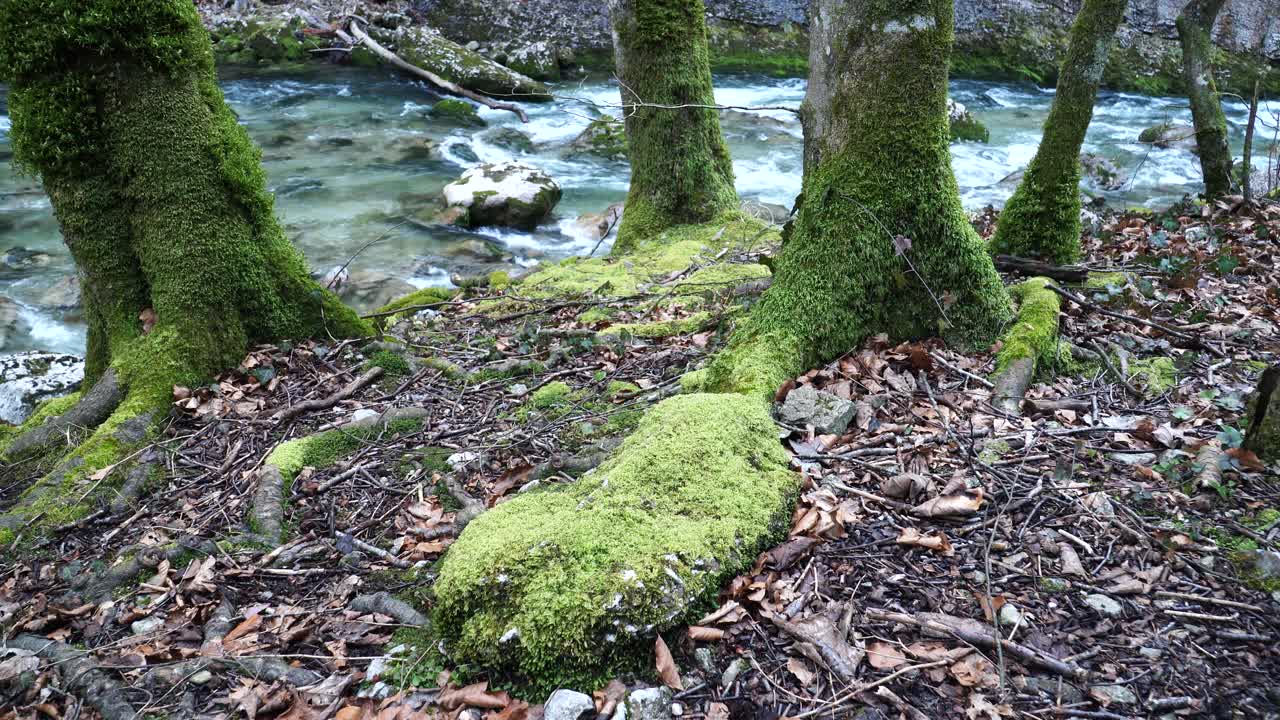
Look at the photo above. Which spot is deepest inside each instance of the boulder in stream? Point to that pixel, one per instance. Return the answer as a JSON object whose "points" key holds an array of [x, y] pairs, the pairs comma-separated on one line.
{"points": [[1170, 135], [509, 194], [604, 137], [539, 60], [964, 126], [30, 378]]}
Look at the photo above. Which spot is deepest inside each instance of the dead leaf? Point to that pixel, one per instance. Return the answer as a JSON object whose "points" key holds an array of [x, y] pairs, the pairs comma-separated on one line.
{"points": [[717, 711], [608, 697], [974, 670], [797, 667], [149, 319], [883, 656], [957, 505], [248, 625], [699, 633], [666, 665], [980, 708], [786, 554], [935, 541], [473, 695], [349, 712]]}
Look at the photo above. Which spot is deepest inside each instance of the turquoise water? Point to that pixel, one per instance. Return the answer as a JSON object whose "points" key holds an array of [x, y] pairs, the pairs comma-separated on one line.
{"points": [[343, 150]]}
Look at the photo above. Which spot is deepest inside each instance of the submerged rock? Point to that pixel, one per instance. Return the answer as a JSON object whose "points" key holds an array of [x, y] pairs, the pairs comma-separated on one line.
{"points": [[510, 193], [18, 262], [63, 295], [456, 112], [12, 324], [1101, 172], [30, 378], [594, 226]]}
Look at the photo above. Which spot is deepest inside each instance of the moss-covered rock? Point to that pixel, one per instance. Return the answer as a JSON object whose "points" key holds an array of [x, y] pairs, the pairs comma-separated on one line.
{"points": [[604, 137], [456, 112], [1155, 376], [964, 126], [538, 60], [559, 586], [510, 194]]}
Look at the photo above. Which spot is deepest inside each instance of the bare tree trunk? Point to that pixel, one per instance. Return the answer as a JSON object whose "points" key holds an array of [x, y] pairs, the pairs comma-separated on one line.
{"points": [[680, 167], [1195, 28], [1042, 219]]}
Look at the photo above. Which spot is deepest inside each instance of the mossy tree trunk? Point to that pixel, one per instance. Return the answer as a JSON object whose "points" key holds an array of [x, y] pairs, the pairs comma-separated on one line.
{"points": [[881, 243], [1042, 219], [680, 167], [160, 195], [1195, 28]]}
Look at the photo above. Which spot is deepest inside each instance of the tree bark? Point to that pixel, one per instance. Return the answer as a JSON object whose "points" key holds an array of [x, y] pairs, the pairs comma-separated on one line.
{"points": [[1195, 27], [881, 243], [160, 196], [680, 167], [1042, 219]]}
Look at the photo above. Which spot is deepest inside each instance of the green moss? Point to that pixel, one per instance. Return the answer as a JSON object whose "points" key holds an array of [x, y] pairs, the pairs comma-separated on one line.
{"points": [[663, 328], [584, 574], [418, 298], [1156, 376], [681, 172], [969, 129], [776, 51], [1034, 333], [993, 450], [596, 315], [48, 409], [1106, 280], [499, 279], [653, 261], [620, 388], [551, 395], [324, 449], [394, 365], [457, 111], [1052, 585], [694, 381]]}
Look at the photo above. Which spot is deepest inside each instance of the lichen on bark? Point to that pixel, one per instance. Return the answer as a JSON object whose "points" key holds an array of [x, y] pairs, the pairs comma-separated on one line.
{"points": [[680, 167], [1042, 219], [881, 243]]}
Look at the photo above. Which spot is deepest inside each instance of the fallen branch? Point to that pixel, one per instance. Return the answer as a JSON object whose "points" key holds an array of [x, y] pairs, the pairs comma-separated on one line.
{"points": [[387, 604], [396, 61], [1030, 268], [1191, 340], [355, 386], [948, 626]]}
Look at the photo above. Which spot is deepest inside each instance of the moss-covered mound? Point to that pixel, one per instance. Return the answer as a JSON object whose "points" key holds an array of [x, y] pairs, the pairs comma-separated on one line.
{"points": [[557, 586]]}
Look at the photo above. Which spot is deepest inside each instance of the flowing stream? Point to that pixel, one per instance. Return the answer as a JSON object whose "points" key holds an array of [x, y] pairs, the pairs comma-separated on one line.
{"points": [[353, 157]]}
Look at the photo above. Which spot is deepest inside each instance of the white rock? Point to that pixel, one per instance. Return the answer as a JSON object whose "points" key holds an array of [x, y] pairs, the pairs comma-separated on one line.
{"points": [[1104, 605], [30, 378], [460, 460], [364, 415], [569, 705], [146, 625], [508, 193], [649, 704]]}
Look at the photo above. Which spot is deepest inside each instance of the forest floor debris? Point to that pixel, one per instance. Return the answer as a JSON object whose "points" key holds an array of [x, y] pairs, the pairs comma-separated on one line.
{"points": [[947, 560]]}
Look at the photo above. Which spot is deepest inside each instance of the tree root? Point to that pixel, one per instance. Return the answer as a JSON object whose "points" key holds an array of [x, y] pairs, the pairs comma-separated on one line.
{"points": [[95, 587], [1032, 336], [91, 411], [1029, 267], [81, 675], [266, 509]]}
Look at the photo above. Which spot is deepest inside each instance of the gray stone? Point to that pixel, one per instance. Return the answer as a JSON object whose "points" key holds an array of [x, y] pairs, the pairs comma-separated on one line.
{"points": [[146, 625], [537, 60], [1267, 564], [569, 705], [30, 378], [1170, 136], [649, 704], [12, 324], [62, 295], [1010, 615], [706, 663], [201, 678], [828, 414], [1104, 605]]}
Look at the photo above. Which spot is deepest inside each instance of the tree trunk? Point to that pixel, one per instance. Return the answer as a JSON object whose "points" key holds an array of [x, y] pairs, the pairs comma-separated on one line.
{"points": [[160, 195], [680, 167], [1042, 219], [1195, 27], [881, 243]]}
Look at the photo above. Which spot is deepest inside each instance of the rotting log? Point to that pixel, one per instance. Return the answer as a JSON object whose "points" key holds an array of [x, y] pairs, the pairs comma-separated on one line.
{"points": [[1031, 340]]}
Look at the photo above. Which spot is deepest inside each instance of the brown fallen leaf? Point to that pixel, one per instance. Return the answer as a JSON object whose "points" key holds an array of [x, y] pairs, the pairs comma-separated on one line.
{"points": [[473, 695], [786, 554], [350, 712], [699, 633], [797, 667], [956, 505], [824, 641], [974, 670], [608, 697], [883, 656], [933, 651], [935, 541], [246, 626], [730, 612], [717, 711], [666, 665]]}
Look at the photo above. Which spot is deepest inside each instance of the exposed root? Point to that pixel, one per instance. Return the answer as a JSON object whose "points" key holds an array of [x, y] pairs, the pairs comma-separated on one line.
{"points": [[1263, 436], [1029, 267], [266, 510], [95, 587], [81, 676], [1031, 338], [91, 411]]}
